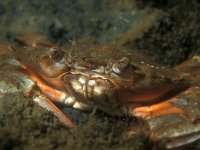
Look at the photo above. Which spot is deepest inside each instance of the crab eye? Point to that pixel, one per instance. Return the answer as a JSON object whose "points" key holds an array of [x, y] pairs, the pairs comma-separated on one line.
{"points": [[56, 54], [53, 65], [121, 65]]}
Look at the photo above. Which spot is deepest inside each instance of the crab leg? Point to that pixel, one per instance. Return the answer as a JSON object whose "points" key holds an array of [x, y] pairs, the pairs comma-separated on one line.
{"points": [[48, 105], [51, 94], [163, 108]]}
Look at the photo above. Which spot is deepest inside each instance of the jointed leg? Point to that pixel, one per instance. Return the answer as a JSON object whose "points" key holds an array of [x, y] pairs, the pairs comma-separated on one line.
{"points": [[155, 110], [51, 94], [48, 105]]}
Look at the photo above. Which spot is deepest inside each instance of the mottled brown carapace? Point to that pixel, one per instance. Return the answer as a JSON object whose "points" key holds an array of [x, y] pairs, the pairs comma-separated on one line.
{"points": [[115, 80]]}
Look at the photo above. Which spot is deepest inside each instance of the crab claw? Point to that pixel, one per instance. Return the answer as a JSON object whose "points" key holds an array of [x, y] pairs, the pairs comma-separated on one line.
{"points": [[51, 94], [173, 123], [162, 108]]}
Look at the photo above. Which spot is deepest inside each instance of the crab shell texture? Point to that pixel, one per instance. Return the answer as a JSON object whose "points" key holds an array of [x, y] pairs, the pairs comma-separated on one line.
{"points": [[114, 80], [117, 81]]}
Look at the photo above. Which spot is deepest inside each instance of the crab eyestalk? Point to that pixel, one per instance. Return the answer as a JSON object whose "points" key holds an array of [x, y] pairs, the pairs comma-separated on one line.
{"points": [[53, 64]]}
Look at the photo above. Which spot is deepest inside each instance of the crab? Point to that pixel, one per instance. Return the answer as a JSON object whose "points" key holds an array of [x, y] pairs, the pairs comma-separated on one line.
{"points": [[117, 81]]}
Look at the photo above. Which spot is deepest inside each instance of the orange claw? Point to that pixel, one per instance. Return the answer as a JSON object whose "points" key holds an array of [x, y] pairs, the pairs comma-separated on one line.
{"points": [[52, 94], [159, 109]]}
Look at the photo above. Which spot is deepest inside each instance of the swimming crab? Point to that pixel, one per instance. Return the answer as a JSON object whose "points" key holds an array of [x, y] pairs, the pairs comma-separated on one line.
{"points": [[117, 81]]}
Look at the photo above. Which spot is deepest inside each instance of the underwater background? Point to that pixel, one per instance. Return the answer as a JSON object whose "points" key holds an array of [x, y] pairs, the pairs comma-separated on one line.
{"points": [[167, 31]]}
